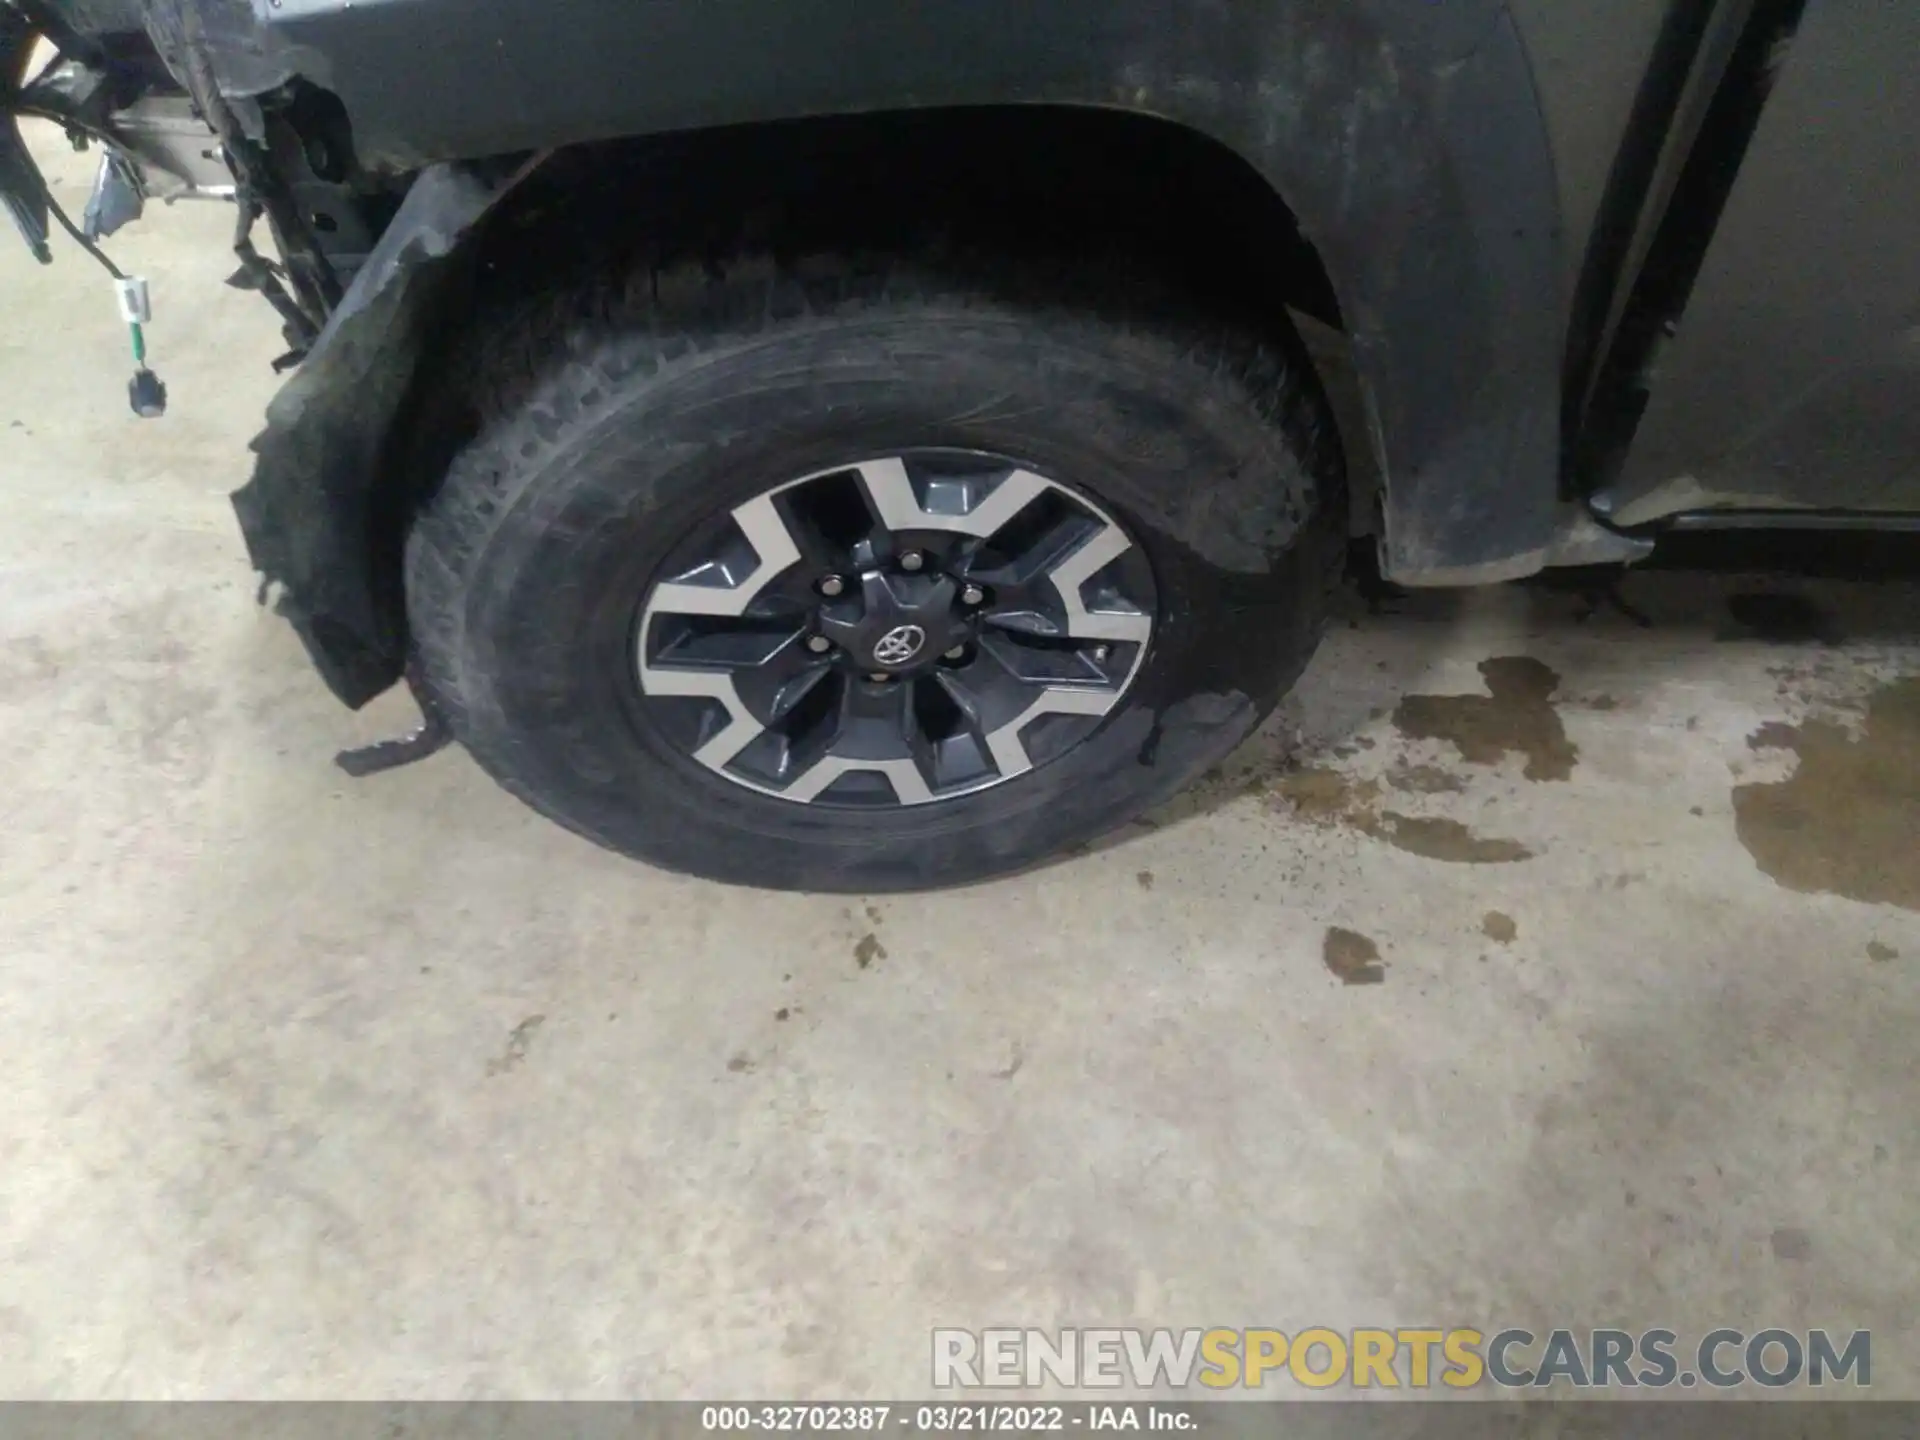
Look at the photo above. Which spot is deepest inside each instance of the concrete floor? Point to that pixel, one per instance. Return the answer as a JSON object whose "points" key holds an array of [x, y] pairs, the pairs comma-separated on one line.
{"points": [[323, 1088]]}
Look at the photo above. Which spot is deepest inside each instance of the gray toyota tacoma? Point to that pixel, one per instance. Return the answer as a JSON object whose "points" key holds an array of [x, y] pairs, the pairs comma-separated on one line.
{"points": [[854, 444]]}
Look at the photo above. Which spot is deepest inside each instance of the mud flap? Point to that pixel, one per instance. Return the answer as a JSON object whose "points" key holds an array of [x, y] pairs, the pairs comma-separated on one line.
{"points": [[309, 508], [429, 737]]}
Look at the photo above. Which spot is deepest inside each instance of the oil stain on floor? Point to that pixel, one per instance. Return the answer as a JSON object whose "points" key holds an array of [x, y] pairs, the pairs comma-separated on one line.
{"points": [[1352, 957], [1515, 716], [1326, 797], [1449, 840], [1425, 780], [1847, 821]]}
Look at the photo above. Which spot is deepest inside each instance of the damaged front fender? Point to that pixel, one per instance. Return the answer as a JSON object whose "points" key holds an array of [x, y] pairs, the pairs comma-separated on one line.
{"points": [[310, 513]]}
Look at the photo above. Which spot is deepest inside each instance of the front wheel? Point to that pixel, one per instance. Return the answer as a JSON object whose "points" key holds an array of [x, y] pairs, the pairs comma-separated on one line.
{"points": [[871, 578]]}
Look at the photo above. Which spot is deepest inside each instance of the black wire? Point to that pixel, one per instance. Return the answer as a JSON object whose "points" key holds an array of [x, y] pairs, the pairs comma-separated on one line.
{"points": [[53, 206], [65, 40], [265, 275]]}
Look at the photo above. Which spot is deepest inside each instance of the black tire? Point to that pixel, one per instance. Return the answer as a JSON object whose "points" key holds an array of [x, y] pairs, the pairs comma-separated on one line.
{"points": [[609, 425]]}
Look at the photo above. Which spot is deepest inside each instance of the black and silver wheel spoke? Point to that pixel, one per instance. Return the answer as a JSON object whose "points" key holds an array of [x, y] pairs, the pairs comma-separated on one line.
{"points": [[954, 503], [1038, 571], [726, 581], [755, 673], [831, 523], [872, 735], [1012, 691], [897, 631]]}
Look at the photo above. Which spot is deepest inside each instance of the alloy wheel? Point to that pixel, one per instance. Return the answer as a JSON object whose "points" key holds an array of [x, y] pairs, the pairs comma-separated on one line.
{"points": [[896, 631]]}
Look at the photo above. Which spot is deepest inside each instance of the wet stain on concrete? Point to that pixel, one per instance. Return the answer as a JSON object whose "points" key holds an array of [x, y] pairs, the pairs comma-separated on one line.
{"points": [[1144, 879], [1880, 954], [1790, 1242], [518, 1039], [1425, 780], [1326, 797], [1847, 821], [1515, 716], [1809, 681], [1352, 957], [740, 1064], [1447, 840], [868, 949], [1774, 735], [1498, 926]]}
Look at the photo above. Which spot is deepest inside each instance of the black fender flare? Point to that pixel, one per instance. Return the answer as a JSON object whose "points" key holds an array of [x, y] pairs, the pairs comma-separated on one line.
{"points": [[1405, 135]]}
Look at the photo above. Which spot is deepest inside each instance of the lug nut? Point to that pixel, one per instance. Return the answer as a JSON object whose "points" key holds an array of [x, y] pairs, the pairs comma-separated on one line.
{"points": [[913, 560], [1100, 652], [959, 652], [831, 586], [972, 595], [819, 644]]}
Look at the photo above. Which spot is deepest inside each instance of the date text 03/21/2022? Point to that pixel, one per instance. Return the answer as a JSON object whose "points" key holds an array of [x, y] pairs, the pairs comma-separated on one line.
{"points": [[942, 1419]]}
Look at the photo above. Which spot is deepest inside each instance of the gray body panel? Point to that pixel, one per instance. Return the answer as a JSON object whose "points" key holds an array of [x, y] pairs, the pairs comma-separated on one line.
{"points": [[1793, 380]]}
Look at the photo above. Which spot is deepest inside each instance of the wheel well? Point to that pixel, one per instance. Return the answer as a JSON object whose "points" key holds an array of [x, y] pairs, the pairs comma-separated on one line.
{"points": [[1056, 181], [1040, 181], [1052, 178]]}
